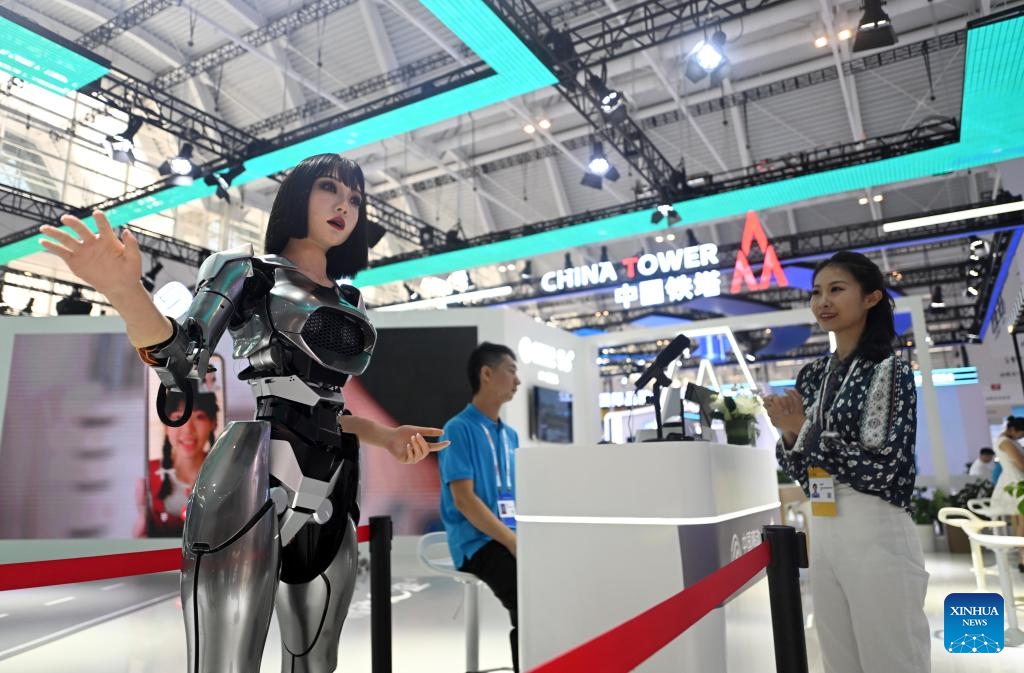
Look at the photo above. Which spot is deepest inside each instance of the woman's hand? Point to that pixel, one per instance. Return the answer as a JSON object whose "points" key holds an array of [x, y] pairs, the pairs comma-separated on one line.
{"points": [[99, 259], [407, 445], [786, 411]]}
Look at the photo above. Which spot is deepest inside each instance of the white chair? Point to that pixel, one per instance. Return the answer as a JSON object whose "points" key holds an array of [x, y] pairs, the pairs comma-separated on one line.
{"points": [[1001, 545], [967, 520], [433, 553]]}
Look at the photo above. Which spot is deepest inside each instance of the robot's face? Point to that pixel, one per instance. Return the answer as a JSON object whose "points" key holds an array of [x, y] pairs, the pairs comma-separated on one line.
{"points": [[333, 212]]}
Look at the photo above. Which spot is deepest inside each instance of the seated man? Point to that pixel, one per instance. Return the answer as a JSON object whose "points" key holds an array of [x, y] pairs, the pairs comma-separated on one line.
{"points": [[984, 465], [478, 480]]}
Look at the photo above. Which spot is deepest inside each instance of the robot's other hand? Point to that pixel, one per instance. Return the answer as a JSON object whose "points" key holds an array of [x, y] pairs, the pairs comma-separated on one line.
{"points": [[408, 445], [100, 259]]}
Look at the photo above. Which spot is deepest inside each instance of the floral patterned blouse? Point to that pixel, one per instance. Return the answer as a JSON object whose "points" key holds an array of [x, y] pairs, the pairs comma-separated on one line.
{"points": [[870, 426]]}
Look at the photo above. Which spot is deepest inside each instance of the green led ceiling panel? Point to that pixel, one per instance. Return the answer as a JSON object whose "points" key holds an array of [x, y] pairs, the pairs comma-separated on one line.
{"points": [[39, 57], [991, 131]]}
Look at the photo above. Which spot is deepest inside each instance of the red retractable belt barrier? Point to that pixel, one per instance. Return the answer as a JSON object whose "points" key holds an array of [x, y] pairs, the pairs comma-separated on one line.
{"points": [[91, 568], [628, 645]]}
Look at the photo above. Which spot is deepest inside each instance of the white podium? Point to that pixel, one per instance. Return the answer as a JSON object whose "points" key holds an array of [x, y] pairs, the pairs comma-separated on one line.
{"points": [[606, 532]]}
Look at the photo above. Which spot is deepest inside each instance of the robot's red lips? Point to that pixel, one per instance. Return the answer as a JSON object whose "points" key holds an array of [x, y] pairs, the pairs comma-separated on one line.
{"points": [[338, 222]]}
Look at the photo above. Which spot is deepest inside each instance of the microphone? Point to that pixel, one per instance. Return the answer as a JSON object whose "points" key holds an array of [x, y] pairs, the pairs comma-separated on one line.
{"points": [[665, 357]]}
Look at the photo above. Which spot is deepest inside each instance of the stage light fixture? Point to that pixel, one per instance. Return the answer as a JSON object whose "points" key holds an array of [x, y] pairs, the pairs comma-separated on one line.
{"points": [[413, 294], [122, 144], [598, 168], [874, 30], [604, 253], [664, 210], [529, 129], [180, 170], [708, 57], [937, 300], [222, 181], [149, 278], [544, 124], [612, 102], [691, 239], [527, 271], [568, 261], [74, 304]]}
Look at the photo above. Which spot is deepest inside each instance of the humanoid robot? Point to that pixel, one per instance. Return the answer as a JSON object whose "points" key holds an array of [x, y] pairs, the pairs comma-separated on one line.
{"points": [[280, 490], [271, 518]]}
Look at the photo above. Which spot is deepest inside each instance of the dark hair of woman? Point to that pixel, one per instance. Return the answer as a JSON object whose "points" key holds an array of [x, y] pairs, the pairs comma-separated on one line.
{"points": [[206, 402], [289, 216], [879, 331], [1015, 423]]}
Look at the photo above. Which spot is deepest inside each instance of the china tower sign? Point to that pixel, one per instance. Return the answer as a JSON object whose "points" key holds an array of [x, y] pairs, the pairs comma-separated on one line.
{"points": [[742, 273]]}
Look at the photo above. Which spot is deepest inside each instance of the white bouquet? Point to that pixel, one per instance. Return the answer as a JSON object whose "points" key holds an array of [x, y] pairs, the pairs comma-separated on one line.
{"points": [[744, 404]]}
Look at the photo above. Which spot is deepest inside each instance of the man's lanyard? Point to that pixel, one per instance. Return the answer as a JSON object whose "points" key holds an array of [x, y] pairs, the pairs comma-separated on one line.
{"points": [[824, 419], [494, 455]]}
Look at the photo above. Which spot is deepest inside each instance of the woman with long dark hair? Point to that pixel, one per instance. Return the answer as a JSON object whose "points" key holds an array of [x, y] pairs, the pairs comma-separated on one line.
{"points": [[850, 429]]}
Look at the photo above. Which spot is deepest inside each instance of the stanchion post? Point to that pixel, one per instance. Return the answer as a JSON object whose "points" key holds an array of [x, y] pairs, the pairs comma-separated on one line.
{"points": [[789, 554], [380, 593]]}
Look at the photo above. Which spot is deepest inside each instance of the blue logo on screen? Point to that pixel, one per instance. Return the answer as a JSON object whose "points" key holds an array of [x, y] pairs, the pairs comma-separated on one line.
{"points": [[974, 623]]}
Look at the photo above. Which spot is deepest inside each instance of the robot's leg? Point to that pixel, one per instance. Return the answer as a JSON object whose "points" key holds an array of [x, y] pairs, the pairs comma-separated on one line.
{"points": [[311, 614], [231, 554]]}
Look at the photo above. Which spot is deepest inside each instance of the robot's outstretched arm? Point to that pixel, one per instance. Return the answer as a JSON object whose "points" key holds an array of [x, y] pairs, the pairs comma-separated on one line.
{"points": [[183, 359]]}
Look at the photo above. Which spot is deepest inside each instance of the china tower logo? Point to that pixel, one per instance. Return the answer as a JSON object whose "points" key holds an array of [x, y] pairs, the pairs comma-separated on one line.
{"points": [[742, 273]]}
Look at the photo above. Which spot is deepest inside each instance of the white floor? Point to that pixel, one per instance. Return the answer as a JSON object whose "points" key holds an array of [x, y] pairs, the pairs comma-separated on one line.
{"points": [[427, 630]]}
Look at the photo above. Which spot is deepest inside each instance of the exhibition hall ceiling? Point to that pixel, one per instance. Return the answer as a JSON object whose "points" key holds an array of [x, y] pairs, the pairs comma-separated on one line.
{"points": [[486, 148]]}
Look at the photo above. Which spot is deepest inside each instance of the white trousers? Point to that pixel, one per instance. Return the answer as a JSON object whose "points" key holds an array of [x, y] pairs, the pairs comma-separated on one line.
{"points": [[868, 585]]}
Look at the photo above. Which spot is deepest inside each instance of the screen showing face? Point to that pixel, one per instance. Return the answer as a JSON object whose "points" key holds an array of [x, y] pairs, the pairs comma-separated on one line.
{"points": [[174, 455]]}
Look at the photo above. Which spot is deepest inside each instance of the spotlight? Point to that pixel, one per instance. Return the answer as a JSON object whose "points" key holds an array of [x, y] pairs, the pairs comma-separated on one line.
{"points": [[527, 271], [708, 56], [181, 171], [544, 124], [413, 294], [122, 144], [223, 180], [74, 304], [821, 42], [452, 236], [937, 301], [844, 34], [529, 129], [665, 209], [149, 278], [979, 248], [604, 253], [691, 239], [971, 291], [28, 307], [613, 103], [598, 168], [699, 180], [874, 30], [568, 261]]}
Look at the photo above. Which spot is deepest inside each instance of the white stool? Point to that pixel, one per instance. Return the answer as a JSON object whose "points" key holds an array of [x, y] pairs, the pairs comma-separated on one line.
{"points": [[965, 519], [1001, 546], [433, 553]]}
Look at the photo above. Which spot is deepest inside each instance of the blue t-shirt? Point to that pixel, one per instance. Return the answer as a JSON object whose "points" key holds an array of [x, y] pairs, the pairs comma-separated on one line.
{"points": [[475, 443]]}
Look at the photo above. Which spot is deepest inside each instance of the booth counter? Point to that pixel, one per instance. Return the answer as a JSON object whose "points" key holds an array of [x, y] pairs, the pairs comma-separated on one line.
{"points": [[606, 532]]}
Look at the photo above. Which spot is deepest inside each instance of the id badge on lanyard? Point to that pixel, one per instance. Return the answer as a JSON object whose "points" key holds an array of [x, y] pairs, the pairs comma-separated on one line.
{"points": [[506, 498], [821, 484]]}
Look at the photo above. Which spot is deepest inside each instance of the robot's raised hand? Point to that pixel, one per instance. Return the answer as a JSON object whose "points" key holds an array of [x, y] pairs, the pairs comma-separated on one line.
{"points": [[99, 259]]}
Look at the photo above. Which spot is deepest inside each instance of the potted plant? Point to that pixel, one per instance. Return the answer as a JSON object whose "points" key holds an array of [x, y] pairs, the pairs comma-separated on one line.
{"points": [[738, 414], [925, 512]]}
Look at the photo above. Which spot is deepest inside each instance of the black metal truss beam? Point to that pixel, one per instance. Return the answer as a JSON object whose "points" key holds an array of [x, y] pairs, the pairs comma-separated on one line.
{"points": [[33, 207], [23, 279], [48, 211], [402, 224], [932, 134], [129, 18], [828, 73], [738, 98], [205, 131], [399, 76], [279, 27], [648, 24]]}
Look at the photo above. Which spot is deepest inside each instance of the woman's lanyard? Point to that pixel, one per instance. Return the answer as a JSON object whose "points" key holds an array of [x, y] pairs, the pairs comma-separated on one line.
{"points": [[494, 455], [823, 418]]}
